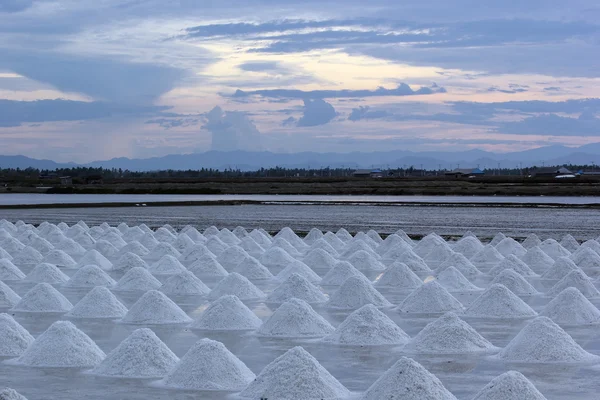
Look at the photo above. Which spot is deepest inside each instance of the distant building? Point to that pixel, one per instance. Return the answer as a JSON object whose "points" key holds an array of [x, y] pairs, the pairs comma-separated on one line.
{"points": [[464, 172], [551, 171], [66, 181], [368, 173]]}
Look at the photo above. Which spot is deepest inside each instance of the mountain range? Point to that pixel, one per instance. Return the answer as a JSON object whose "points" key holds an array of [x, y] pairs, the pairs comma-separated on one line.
{"points": [[244, 160]]}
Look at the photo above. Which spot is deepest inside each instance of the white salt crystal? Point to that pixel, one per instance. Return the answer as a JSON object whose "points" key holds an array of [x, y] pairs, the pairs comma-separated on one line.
{"points": [[511, 385], [398, 276], [9, 271], [154, 308], [227, 313], [455, 282], [515, 283], [48, 273], [296, 286], [167, 265], [499, 302], [252, 269], [14, 339], [90, 276], [577, 279], [355, 292], [237, 285], [341, 271], [560, 269], [43, 298], [430, 298], [185, 283], [137, 279], [98, 303], [207, 265], [298, 267], [8, 298], [570, 307], [295, 318]]}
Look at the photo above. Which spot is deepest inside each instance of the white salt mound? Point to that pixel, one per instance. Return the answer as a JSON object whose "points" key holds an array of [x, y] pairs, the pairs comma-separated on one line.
{"points": [[407, 380], [512, 262], [298, 267], [455, 282], [166, 249], [577, 279], [531, 241], [276, 257], [137, 279], [43, 298], [515, 283], [207, 266], [141, 355], [252, 269], [354, 293], [11, 394], [367, 326], [430, 298], [508, 246], [62, 345], [98, 303], [48, 273], [167, 265], [90, 276], [554, 249], [319, 258], [449, 335], [295, 375], [339, 273], [543, 341], [14, 339], [537, 260], [398, 276], [28, 255], [296, 286], [468, 246], [461, 263], [9, 271], [561, 268], [569, 243], [236, 285], [570, 307], [227, 313], [295, 318], [364, 261], [498, 238], [186, 284], [60, 259], [129, 261], [8, 298], [486, 256], [93, 257], [154, 308], [511, 385], [232, 256], [499, 302], [208, 365]]}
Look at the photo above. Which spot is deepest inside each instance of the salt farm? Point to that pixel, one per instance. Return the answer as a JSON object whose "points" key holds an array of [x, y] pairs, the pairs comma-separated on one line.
{"points": [[131, 311]]}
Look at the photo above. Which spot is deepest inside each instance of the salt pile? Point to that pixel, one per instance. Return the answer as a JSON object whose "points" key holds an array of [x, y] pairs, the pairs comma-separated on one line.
{"points": [[12, 245], [486, 256], [90, 276], [154, 308], [252, 269], [571, 307], [11, 394], [396, 253], [468, 246], [339, 273], [216, 245], [455, 282], [343, 235], [537, 260], [228, 237], [296, 286], [8, 298], [134, 247], [9, 271], [497, 239], [114, 238], [285, 245], [364, 261], [554, 249], [93, 257], [561, 268], [515, 283], [60, 259], [211, 231], [569, 243], [167, 265], [240, 232], [4, 254], [290, 236], [85, 239], [231, 257], [512, 262], [374, 236], [356, 292], [391, 242], [260, 238], [43, 298], [577, 279], [141, 355], [129, 261], [62, 345], [163, 234], [511, 385], [334, 241], [195, 253], [42, 245], [319, 258], [531, 241], [499, 302], [416, 264], [404, 237], [407, 380], [398, 276], [543, 341], [14, 339], [183, 242], [295, 318], [325, 246], [276, 257], [70, 247], [440, 253], [149, 241], [165, 249], [185, 284], [427, 244], [106, 248], [227, 313], [461, 263], [313, 235], [295, 375], [28, 256], [236, 285], [48, 273], [251, 247], [208, 365], [207, 265], [98, 303], [510, 246], [355, 246], [368, 326], [430, 298], [137, 279], [586, 259], [298, 267]]}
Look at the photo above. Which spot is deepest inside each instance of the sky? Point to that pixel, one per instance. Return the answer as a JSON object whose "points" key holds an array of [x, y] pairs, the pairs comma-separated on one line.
{"points": [[85, 80]]}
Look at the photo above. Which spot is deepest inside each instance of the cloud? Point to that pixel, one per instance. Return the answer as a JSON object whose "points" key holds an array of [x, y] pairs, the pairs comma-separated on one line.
{"points": [[529, 106], [316, 112], [232, 130], [512, 89], [554, 125], [365, 112], [291, 121], [260, 66], [169, 123], [12, 6]]}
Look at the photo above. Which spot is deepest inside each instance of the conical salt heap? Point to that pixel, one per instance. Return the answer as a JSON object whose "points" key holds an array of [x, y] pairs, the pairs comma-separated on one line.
{"points": [[577, 279], [403, 235], [368, 326], [296, 286], [5, 254], [62, 345], [93, 257], [260, 237], [569, 243], [435, 338], [295, 375], [47, 273], [430, 298], [531, 241], [9, 271], [10, 394], [499, 302], [461, 263], [319, 258], [364, 261], [166, 249], [106, 248], [455, 282], [514, 263], [543, 341], [537, 260], [251, 247], [28, 256], [374, 236], [129, 261], [313, 235], [43, 298], [398, 276], [298, 267], [515, 283], [276, 258], [98, 303], [228, 237], [227, 313], [391, 242], [240, 232], [8, 298], [325, 246], [208, 365], [498, 238], [185, 284], [486, 257], [137, 279], [344, 235], [334, 241], [154, 308], [571, 307], [134, 247], [286, 246], [207, 266], [195, 253], [396, 253], [14, 339], [355, 246], [236, 285], [70, 247], [438, 255], [60, 259], [407, 380], [510, 246], [290, 236], [341, 271], [252, 269], [163, 234], [356, 292], [468, 246], [149, 241], [216, 245], [554, 249], [295, 318], [211, 231], [167, 265], [183, 242], [141, 355], [427, 244], [90, 276], [588, 260], [561, 268], [231, 257], [511, 385], [12, 245]]}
